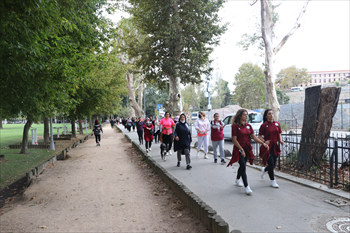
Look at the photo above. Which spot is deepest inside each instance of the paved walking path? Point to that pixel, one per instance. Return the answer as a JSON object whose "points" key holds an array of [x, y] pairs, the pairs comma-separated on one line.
{"points": [[291, 208]]}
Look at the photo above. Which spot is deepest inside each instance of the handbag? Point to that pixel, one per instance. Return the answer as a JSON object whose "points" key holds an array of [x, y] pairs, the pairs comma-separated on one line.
{"points": [[151, 132]]}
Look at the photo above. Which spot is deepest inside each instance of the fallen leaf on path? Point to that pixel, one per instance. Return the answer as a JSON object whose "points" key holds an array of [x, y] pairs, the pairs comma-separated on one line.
{"points": [[32, 198], [279, 227], [179, 215], [121, 174], [43, 227], [156, 194], [40, 202], [121, 203], [112, 204]]}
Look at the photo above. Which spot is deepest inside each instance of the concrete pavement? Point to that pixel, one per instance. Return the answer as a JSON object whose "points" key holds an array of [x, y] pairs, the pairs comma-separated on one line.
{"points": [[291, 208]]}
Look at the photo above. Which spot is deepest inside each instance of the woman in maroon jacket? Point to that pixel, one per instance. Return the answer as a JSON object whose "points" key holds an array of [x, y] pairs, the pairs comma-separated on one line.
{"points": [[147, 135], [270, 132], [217, 138], [242, 150]]}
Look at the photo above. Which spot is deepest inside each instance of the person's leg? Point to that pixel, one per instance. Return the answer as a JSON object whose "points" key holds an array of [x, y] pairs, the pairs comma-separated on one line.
{"points": [[166, 141], [146, 144], [242, 169], [188, 156], [179, 156], [96, 139], [170, 141], [205, 141], [215, 145], [139, 133], [150, 144], [271, 161], [221, 149], [200, 143]]}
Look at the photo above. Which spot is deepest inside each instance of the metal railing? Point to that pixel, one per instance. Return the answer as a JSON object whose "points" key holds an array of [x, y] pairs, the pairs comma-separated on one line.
{"points": [[329, 164]]}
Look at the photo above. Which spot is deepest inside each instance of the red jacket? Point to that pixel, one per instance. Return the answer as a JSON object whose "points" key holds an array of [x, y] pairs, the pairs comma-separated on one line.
{"points": [[147, 135], [265, 154], [217, 133]]}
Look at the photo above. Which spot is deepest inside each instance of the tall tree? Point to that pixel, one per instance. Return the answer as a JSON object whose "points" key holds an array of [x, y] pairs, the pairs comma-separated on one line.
{"points": [[268, 20], [180, 37], [249, 86], [292, 76]]}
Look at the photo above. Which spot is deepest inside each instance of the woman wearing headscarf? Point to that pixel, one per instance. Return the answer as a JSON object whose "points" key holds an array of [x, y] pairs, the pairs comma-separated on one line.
{"points": [[183, 139], [97, 131], [147, 126], [242, 150], [270, 133], [202, 126]]}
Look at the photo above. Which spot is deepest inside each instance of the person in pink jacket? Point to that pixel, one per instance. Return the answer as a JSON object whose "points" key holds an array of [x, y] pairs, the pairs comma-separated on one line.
{"points": [[202, 126]]}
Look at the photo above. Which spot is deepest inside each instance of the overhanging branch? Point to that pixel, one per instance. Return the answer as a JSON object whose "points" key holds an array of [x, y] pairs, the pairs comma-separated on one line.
{"points": [[253, 3], [291, 32]]}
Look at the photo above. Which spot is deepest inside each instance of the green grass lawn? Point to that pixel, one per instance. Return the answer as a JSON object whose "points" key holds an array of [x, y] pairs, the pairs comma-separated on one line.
{"points": [[16, 165], [12, 133]]}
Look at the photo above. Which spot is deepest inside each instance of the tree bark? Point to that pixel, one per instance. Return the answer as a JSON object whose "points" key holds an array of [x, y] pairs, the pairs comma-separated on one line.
{"points": [[267, 26], [320, 108], [140, 92], [74, 133], [90, 122], [174, 103], [81, 131], [24, 146], [46, 130], [0, 123]]}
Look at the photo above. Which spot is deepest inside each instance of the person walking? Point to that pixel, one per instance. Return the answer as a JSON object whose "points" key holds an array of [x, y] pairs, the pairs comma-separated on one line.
{"points": [[156, 129], [97, 131], [202, 126], [270, 133], [112, 123], [148, 127], [167, 131], [128, 124], [217, 138], [242, 149], [139, 128], [133, 123], [183, 139]]}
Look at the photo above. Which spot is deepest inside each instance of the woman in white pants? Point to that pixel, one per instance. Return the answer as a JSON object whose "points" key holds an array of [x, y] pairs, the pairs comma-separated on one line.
{"points": [[202, 126], [217, 138]]}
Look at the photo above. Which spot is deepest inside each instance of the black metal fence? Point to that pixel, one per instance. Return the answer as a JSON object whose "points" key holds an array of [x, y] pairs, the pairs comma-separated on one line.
{"points": [[329, 164]]}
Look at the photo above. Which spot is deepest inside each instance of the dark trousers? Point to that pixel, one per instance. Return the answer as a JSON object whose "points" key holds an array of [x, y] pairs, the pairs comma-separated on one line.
{"points": [[168, 139], [140, 133], [156, 136], [97, 138], [148, 144], [242, 168], [271, 164]]}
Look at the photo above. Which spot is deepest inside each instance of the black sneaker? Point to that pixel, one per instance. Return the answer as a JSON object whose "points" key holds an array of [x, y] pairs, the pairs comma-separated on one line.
{"points": [[188, 167], [178, 164], [215, 160], [223, 161]]}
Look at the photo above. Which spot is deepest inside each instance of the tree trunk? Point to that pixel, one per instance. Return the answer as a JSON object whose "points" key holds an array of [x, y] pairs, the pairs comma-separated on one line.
{"points": [[46, 130], [0, 123], [137, 110], [140, 92], [74, 133], [90, 122], [24, 146], [80, 126], [321, 106], [174, 103], [270, 76]]}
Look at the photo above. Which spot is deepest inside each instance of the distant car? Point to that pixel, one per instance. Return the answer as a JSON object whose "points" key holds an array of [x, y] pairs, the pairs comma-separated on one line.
{"points": [[297, 89], [255, 119]]}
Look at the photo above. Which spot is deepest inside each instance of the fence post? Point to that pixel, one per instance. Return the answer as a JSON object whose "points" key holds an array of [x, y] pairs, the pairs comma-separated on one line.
{"points": [[279, 158], [336, 161], [331, 170]]}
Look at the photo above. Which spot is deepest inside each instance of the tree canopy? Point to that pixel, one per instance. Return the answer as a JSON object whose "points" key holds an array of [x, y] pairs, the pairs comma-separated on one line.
{"points": [[292, 76]]}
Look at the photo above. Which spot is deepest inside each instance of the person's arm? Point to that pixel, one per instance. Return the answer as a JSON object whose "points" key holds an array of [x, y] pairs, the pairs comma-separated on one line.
{"points": [[101, 128], [236, 143], [175, 134], [258, 140], [281, 140]]}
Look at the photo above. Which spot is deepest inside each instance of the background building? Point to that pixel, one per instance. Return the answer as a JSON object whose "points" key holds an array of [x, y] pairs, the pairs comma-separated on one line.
{"points": [[324, 77]]}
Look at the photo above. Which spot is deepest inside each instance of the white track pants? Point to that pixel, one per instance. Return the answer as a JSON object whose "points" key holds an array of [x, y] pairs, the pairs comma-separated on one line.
{"points": [[202, 140]]}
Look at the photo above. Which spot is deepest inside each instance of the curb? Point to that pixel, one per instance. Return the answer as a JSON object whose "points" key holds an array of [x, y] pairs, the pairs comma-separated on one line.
{"points": [[207, 215]]}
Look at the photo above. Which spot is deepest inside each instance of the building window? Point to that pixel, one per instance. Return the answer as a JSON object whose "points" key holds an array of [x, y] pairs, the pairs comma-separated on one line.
{"points": [[324, 80], [329, 75], [324, 75], [320, 75]]}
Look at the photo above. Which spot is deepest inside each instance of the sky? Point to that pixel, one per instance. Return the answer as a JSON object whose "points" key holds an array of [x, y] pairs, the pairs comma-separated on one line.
{"points": [[320, 44]]}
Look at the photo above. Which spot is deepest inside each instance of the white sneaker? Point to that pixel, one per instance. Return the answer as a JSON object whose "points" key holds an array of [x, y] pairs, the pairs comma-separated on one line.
{"points": [[147, 150], [206, 157], [274, 184], [248, 191], [197, 155], [167, 153], [262, 173], [170, 152], [150, 149], [239, 183]]}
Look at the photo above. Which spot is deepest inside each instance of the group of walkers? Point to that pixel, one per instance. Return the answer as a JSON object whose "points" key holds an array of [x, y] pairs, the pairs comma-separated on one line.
{"points": [[177, 131]]}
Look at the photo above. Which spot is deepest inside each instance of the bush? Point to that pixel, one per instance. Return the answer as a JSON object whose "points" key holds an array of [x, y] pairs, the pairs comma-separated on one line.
{"points": [[284, 126]]}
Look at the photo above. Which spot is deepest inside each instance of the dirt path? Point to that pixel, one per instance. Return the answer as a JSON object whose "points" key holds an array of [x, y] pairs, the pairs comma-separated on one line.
{"points": [[99, 189]]}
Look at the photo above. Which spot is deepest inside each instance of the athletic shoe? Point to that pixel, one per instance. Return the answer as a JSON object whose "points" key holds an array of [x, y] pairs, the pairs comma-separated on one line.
{"points": [[147, 150], [188, 167], [239, 183], [150, 149], [262, 173], [167, 153], [274, 184], [96, 144], [170, 152], [178, 164], [215, 160], [206, 157], [99, 144], [248, 191], [223, 161], [197, 155]]}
